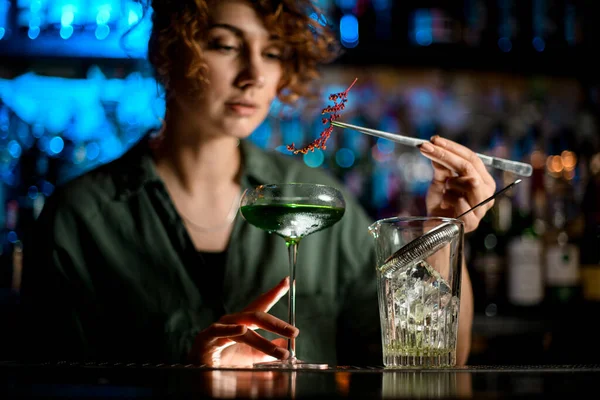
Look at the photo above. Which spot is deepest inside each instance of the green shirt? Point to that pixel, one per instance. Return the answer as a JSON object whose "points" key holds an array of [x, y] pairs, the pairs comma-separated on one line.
{"points": [[108, 274]]}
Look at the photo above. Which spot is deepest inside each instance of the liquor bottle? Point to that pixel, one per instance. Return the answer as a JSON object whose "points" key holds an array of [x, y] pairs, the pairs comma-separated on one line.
{"points": [[525, 281], [560, 248], [489, 266], [590, 240]]}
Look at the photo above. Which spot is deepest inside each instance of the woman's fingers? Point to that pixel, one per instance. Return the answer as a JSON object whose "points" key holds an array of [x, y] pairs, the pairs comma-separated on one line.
{"points": [[267, 300], [214, 339], [238, 328], [262, 320], [460, 181], [263, 345], [220, 330], [466, 158], [465, 187]]}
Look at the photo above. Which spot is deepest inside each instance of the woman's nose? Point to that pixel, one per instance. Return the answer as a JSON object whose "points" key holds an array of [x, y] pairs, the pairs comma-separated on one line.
{"points": [[251, 73]]}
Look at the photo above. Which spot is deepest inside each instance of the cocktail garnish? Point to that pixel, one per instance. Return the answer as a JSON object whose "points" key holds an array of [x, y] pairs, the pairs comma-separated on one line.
{"points": [[339, 103]]}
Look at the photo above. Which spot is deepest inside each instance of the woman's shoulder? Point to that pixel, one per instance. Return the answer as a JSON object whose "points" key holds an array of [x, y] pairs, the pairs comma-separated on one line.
{"points": [[89, 192]]}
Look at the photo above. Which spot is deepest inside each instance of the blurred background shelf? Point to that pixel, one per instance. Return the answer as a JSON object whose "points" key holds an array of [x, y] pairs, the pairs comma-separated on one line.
{"points": [[515, 79]]}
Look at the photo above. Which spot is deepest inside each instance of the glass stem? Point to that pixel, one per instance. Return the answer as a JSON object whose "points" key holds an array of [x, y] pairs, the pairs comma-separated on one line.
{"points": [[293, 255]]}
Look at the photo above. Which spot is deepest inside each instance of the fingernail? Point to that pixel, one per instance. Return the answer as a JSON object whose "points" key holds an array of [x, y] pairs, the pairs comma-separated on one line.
{"points": [[291, 331], [434, 137], [426, 147], [281, 353]]}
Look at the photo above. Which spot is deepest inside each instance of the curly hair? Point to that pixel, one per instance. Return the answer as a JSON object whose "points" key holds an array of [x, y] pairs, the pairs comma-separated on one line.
{"points": [[178, 25]]}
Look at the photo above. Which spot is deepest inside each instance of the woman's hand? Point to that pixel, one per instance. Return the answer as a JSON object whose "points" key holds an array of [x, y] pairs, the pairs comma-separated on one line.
{"points": [[231, 341], [460, 181]]}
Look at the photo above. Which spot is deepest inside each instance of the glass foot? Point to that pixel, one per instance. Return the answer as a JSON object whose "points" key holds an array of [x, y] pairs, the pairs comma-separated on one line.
{"points": [[290, 363]]}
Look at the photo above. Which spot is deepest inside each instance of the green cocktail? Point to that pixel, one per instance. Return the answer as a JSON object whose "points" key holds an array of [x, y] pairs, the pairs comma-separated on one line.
{"points": [[292, 221]]}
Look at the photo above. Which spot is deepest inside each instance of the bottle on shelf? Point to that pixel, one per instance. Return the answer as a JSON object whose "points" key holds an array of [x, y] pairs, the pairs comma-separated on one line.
{"points": [[590, 240], [525, 280], [562, 254]]}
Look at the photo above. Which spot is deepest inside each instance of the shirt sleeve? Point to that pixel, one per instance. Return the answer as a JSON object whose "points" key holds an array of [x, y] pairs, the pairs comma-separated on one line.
{"points": [[50, 297], [73, 306]]}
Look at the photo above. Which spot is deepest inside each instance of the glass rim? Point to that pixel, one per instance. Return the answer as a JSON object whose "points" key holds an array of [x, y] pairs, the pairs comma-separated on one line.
{"points": [[392, 220], [296, 184]]}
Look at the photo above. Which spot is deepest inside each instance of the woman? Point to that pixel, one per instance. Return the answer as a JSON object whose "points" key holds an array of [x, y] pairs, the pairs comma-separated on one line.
{"points": [[143, 259]]}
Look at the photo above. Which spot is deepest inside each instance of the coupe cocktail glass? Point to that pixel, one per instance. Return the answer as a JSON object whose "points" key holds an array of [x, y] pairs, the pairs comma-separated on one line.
{"points": [[292, 211]]}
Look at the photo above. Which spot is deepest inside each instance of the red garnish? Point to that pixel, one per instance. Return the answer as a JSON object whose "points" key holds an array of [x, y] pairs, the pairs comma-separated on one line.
{"points": [[339, 103]]}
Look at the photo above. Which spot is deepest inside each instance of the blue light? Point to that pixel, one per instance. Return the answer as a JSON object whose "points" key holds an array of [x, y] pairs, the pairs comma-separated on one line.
{"points": [[92, 151], [385, 146], [538, 43], [42, 144], [2, 32], [349, 28], [68, 16], [344, 157], [283, 149], [423, 98], [56, 145], [292, 131], [381, 5], [35, 6], [424, 37], [12, 237], [423, 30], [33, 32], [505, 44], [262, 135], [47, 188], [102, 31], [103, 15], [110, 148], [8, 177], [32, 192], [37, 130], [14, 148], [132, 18], [314, 159], [35, 21], [66, 31], [346, 4], [320, 18]]}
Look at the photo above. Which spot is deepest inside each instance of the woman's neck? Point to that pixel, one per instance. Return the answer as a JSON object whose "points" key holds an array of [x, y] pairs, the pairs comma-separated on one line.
{"points": [[193, 161]]}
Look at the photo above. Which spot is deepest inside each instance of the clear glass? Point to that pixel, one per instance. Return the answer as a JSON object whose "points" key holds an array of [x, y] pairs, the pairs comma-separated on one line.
{"points": [[292, 211], [419, 274]]}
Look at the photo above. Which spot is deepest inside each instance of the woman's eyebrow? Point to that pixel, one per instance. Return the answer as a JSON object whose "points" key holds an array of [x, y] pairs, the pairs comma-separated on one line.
{"points": [[235, 30]]}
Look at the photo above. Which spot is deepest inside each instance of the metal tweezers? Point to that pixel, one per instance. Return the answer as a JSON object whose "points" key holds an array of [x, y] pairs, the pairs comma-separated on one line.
{"points": [[516, 167]]}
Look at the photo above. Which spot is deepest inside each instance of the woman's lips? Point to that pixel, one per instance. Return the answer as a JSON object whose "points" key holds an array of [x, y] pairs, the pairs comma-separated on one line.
{"points": [[242, 109]]}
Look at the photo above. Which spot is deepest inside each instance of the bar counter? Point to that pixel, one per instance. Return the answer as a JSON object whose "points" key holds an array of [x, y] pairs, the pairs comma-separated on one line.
{"points": [[104, 380]]}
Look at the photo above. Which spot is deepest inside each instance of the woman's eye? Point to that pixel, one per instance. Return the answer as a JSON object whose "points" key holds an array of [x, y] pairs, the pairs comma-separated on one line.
{"points": [[274, 55], [223, 47], [226, 47]]}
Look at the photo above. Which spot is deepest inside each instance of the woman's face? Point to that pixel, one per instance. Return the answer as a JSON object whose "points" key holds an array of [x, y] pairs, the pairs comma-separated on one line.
{"points": [[244, 71]]}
